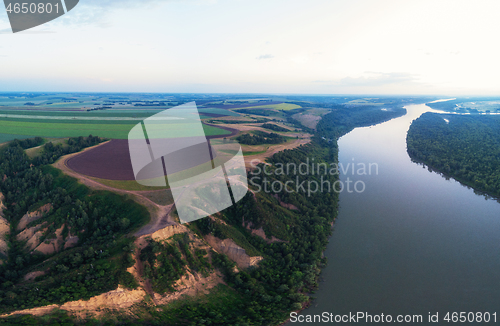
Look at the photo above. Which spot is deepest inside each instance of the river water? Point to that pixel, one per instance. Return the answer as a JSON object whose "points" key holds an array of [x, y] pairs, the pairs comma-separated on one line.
{"points": [[413, 242]]}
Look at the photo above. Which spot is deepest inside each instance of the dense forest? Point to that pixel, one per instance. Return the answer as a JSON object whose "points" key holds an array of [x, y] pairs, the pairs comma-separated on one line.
{"points": [[283, 281], [260, 120], [343, 119], [99, 219], [260, 137], [465, 147], [28, 143], [272, 126], [259, 296]]}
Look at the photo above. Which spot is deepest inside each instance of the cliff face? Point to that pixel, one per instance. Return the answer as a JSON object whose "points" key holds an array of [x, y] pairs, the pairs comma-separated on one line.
{"points": [[2, 207], [33, 216], [4, 232], [36, 236], [232, 251]]}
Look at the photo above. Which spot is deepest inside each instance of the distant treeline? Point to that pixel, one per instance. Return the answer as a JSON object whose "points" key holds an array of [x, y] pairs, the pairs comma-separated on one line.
{"points": [[466, 148], [263, 112], [28, 142], [471, 105], [52, 153], [343, 119], [238, 121], [274, 127], [151, 104], [100, 108]]}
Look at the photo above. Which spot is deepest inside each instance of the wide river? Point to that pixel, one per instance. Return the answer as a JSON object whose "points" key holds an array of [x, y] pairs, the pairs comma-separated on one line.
{"points": [[413, 242]]}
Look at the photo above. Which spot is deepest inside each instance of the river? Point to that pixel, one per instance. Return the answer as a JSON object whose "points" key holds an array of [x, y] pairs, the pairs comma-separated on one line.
{"points": [[413, 242]]}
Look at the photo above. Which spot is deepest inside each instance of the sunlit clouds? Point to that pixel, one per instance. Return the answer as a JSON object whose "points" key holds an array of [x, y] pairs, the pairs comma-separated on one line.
{"points": [[285, 46]]}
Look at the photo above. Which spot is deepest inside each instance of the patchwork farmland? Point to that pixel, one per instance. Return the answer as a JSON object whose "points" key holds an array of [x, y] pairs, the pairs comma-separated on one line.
{"points": [[58, 116]]}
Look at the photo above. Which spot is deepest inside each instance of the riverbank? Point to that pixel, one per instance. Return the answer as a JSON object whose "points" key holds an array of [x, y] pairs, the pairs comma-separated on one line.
{"points": [[405, 245]]}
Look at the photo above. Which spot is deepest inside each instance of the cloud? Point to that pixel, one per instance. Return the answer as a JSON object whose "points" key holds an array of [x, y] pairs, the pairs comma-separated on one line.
{"points": [[300, 59], [378, 79], [265, 56], [9, 31], [119, 3], [323, 81], [95, 12], [105, 6]]}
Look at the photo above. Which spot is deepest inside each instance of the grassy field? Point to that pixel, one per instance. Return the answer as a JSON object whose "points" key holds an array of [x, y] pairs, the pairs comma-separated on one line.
{"points": [[5, 137], [82, 116], [144, 113], [245, 153], [218, 111], [62, 130], [35, 151], [80, 120], [160, 197], [131, 185], [221, 298], [282, 106], [310, 118]]}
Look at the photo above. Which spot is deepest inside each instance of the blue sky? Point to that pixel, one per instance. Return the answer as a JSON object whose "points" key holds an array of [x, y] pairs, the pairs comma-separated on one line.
{"points": [[271, 46]]}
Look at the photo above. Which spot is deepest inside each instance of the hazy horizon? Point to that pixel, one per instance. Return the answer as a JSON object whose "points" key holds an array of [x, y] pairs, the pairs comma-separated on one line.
{"points": [[443, 96], [321, 47]]}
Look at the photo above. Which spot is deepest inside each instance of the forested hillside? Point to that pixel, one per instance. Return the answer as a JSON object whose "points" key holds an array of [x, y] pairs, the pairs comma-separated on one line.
{"points": [[272, 126], [465, 147], [344, 119], [294, 228], [260, 137], [94, 261]]}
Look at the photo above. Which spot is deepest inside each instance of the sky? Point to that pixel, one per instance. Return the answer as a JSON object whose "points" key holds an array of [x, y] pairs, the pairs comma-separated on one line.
{"points": [[259, 46]]}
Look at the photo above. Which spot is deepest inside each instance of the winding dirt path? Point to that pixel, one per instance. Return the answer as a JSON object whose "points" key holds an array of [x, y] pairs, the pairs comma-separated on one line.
{"points": [[160, 215], [160, 219], [303, 138], [273, 149]]}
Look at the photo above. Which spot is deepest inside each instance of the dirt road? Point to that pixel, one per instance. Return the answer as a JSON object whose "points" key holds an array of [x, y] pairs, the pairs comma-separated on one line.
{"points": [[160, 215]]}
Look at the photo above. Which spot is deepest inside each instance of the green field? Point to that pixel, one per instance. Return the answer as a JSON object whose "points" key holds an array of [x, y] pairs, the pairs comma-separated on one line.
{"points": [[131, 114], [160, 197], [36, 151], [218, 111], [80, 120], [131, 185], [282, 106], [13, 129], [245, 153], [5, 137]]}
